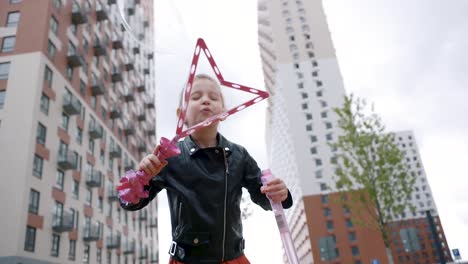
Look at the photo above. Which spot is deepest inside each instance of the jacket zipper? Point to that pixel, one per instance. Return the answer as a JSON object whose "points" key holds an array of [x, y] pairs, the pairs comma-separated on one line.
{"points": [[226, 173], [179, 213]]}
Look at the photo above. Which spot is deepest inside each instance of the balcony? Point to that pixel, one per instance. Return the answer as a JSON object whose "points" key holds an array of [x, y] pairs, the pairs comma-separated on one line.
{"points": [[142, 147], [116, 76], [141, 88], [97, 88], [62, 223], [71, 105], [131, 11], [150, 104], [146, 71], [129, 129], [146, 23], [129, 248], [115, 152], [102, 13], [78, 16], [137, 2], [117, 43], [151, 132], [115, 112], [129, 66], [153, 223], [111, 2], [112, 194], [143, 253], [113, 242], [150, 56], [100, 48], [141, 116], [136, 50], [143, 215], [129, 97], [128, 166], [75, 59], [91, 233], [154, 258], [95, 130], [94, 179], [67, 160]]}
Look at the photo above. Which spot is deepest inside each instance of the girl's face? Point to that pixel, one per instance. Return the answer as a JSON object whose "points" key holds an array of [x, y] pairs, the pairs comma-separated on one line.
{"points": [[205, 101]]}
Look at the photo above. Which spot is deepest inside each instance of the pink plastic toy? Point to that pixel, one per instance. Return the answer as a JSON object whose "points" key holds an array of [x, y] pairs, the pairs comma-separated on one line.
{"points": [[131, 187]]}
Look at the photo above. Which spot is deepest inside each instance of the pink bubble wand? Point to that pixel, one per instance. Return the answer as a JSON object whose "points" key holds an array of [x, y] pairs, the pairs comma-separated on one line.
{"points": [[281, 221], [131, 187]]}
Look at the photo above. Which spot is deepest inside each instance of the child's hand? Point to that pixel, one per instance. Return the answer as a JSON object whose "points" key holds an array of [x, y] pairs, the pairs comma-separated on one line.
{"points": [[151, 164], [276, 190]]}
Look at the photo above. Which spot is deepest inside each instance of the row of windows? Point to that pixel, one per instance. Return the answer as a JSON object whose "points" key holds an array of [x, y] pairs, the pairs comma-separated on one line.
{"points": [[30, 246]]}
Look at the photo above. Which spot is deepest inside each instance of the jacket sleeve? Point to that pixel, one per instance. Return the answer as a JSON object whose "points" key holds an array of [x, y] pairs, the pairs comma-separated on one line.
{"points": [[157, 183], [252, 181]]}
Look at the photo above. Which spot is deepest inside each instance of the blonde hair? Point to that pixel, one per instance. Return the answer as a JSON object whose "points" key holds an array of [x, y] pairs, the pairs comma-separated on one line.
{"points": [[202, 76]]}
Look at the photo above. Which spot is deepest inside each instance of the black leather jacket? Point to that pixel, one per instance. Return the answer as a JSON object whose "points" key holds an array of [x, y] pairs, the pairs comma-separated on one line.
{"points": [[204, 189]]}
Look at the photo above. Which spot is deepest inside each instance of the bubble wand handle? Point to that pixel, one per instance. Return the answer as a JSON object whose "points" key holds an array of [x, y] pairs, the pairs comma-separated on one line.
{"points": [[281, 221]]}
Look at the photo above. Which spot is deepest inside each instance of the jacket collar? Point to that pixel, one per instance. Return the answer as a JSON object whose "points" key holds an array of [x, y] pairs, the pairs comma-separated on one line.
{"points": [[193, 148]]}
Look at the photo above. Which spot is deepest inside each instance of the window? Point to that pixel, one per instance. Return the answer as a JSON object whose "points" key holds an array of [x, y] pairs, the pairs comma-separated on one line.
{"points": [[57, 4], [89, 196], [319, 93], [30, 239], [37, 166], [8, 43], [346, 210], [2, 99], [324, 114], [55, 245], [82, 88], [34, 197], [72, 250], [324, 199], [349, 223], [86, 254], [318, 162], [51, 49], [76, 189], [329, 136], [304, 95], [300, 85], [323, 186], [100, 204], [48, 76], [326, 212], [15, 1], [53, 25], [313, 138], [79, 135], [41, 134], [328, 125], [98, 255], [309, 127], [91, 146], [45, 104], [305, 106], [352, 236], [59, 178], [13, 19], [313, 150], [69, 72], [4, 70], [355, 250], [330, 225], [318, 174], [65, 121], [102, 156]]}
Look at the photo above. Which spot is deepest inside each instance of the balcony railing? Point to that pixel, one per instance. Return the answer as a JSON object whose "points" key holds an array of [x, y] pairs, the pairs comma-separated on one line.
{"points": [[116, 76], [75, 59], [97, 88], [115, 112], [153, 223], [129, 97], [95, 130], [143, 215], [136, 50], [79, 16], [117, 43], [94, 179], [129, 129], [67, 160], [71, 104], [129, 248], [141, 116], [112, 193], [100, 48], [102, 13], [146, 71], [129, 66], [142, 147], [141, 88], [154, 258], [143, 253], [111, 2], [151, 132], [150, 104], [91, 233], [62, 223], [113, 242], [115, 152]]}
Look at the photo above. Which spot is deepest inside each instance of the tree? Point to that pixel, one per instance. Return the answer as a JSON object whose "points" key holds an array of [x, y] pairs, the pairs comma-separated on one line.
{"points": [[371, 166]]}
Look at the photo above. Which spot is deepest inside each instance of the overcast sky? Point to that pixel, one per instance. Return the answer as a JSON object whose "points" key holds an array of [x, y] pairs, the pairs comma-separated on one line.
{"points": [[408, 57]]}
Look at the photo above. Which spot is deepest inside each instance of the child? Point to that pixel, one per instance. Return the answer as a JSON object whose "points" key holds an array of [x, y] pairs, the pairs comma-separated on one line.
{"points": [[204, 185]]}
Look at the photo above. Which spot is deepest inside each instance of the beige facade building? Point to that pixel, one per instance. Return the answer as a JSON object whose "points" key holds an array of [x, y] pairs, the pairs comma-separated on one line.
{"points": [[77, 110], [302, 74]]}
